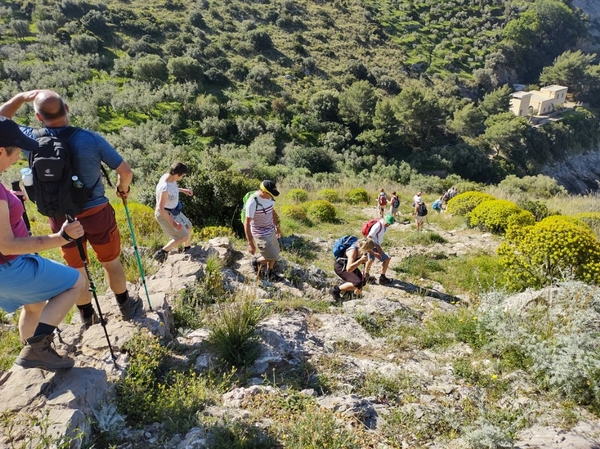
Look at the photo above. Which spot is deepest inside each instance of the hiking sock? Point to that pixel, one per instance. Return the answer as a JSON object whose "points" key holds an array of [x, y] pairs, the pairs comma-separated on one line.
{"points": [[122, 297], [44, 329], [87, 310]]}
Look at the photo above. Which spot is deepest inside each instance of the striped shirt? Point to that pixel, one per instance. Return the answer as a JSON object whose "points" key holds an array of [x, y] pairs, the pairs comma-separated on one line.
{"points": [[260, 210]]}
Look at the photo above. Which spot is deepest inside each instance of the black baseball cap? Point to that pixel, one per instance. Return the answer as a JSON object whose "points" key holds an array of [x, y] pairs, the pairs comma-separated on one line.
{"points": [[12, 136], [269, 187]]}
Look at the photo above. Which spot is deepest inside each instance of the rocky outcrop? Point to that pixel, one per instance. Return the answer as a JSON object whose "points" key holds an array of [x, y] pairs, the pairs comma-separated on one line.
{"points": [[578, 174]]}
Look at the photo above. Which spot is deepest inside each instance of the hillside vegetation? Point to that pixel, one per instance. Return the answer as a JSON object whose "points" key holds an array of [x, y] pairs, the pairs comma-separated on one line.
{"points": [[290, 89]]}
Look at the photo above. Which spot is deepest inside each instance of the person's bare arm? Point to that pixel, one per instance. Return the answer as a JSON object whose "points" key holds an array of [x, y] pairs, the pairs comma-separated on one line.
{"points": [[11, 245], [354, 264], [10, 108], [249, 237], [124, 178]]}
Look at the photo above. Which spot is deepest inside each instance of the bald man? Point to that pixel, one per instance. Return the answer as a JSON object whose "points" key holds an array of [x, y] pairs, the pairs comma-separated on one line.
{"points": [[98, 217]]}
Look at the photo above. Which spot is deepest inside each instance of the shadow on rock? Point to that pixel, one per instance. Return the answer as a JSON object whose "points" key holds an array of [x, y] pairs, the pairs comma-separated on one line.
{"points": [[412, 288]]}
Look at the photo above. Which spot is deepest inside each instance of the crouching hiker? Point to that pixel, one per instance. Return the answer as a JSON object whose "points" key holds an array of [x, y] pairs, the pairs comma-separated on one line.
{"points": [[261, 226], [352, 254], [46, 290], [168, 211]]}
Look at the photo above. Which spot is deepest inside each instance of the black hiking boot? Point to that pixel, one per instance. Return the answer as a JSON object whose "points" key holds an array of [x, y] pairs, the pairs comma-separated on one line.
{"points": [[160, 255], [335, 293], [131, 308], [383, 280], [40, 353], [254, 263], [370, 279], [90, 320], [273, 277]]}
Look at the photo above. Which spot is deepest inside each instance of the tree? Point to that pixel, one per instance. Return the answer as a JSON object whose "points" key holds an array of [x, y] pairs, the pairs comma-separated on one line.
{"points": [[571, 69], [496, 102], [467, 122], [357, 104], [505, 133], [150, 68], [184, 68], [84, 44], [420, 116], [325, 105], [20, 28]]}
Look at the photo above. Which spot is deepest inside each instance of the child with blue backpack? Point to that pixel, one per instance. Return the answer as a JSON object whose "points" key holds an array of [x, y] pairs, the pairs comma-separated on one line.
{"points": [[349, 254]]}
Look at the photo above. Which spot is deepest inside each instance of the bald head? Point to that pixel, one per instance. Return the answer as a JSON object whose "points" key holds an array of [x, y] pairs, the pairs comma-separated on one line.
{"points": [[49, 106]]}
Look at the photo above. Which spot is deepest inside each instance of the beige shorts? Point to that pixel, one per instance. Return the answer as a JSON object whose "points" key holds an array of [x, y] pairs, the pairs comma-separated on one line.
{"points": [[268, 246], [420, 219], [166, 226]]}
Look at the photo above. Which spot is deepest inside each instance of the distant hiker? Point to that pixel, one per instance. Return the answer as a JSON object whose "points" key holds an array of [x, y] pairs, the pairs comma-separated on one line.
{"points": [[346, 267], [376, 234], [416, 199], [262, 228], [168, 210], [420, 214], [98, 216], [394, 205], [46, 290], [382, 201], [437, 204]]}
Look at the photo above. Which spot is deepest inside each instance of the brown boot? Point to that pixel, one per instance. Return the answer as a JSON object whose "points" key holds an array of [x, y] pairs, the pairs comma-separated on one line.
{"points": [[39, 353]]}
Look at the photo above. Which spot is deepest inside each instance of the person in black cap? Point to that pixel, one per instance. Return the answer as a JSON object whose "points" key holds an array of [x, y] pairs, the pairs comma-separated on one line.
{"points": [[262, 229], [46, 290]]}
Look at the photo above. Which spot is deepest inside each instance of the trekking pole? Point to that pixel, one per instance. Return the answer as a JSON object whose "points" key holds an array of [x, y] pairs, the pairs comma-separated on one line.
{"points": [[137, 253], [70, 219], [17, 188]]}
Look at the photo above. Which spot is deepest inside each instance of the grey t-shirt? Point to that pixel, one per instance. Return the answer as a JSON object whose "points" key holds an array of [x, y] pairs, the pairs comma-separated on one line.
{"points": [[89, 150]]}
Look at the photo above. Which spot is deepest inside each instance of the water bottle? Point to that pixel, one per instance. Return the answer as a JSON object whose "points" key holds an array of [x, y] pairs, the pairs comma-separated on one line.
{"points": [[77, 182], [27, 177]]}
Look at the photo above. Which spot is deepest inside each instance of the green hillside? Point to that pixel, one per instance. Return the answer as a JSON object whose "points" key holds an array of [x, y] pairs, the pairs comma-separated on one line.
{"points": [[290, 89]]}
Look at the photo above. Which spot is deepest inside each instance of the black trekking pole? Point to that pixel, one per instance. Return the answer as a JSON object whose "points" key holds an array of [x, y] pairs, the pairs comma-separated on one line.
{"points": [[137, 253], [15, 186], [70, 219]]}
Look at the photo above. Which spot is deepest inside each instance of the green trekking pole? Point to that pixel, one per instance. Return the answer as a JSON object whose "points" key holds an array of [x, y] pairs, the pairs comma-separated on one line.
{"points": [[137, 253]]}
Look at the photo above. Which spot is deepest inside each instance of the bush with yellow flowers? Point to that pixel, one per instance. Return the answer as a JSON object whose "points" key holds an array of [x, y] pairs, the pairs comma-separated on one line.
{"points": [[592, 219], [297, 195], [517, 223], [493, 215], [358, 195], [464, 203], [142, 219], [556, 248], [321, 210], [330, 195], [294, 212]]}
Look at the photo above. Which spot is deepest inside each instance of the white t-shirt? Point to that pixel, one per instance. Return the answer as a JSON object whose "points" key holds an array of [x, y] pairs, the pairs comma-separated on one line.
{"points": [[171, 189], [416, 200], [377, 231], [261, 212]]}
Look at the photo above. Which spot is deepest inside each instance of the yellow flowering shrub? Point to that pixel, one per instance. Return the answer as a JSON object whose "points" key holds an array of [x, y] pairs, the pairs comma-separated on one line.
{"points": [[592, 219], [556, 248], [294, 212], [358, 195], [493, 215], [297, 195], [142, 219], [330, 195], [518, 224], [464, 203], [321, 210]]}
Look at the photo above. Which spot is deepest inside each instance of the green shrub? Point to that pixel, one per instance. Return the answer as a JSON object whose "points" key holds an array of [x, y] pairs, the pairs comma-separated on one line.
{"points": [[540, 186], [358, 195], [294, 212], [142, 219], [537, 208], [493, 215], [297, 195], [233, 332], [464, 203], [592, 219], [211, 232], [330, 195], [556, 248], [321, 210]]}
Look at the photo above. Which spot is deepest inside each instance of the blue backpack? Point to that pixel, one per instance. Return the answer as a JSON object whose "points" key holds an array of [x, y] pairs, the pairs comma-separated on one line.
{"points": [[342, 244]]}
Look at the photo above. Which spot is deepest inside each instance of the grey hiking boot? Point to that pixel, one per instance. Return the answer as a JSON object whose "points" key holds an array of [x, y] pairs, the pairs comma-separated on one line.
{"points": [[335, 293], [89, 321], [40, 353], [131, 308]]}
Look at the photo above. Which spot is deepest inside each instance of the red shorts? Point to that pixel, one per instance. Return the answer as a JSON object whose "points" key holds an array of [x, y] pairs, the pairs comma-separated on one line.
{"points": [[100, 227]]}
